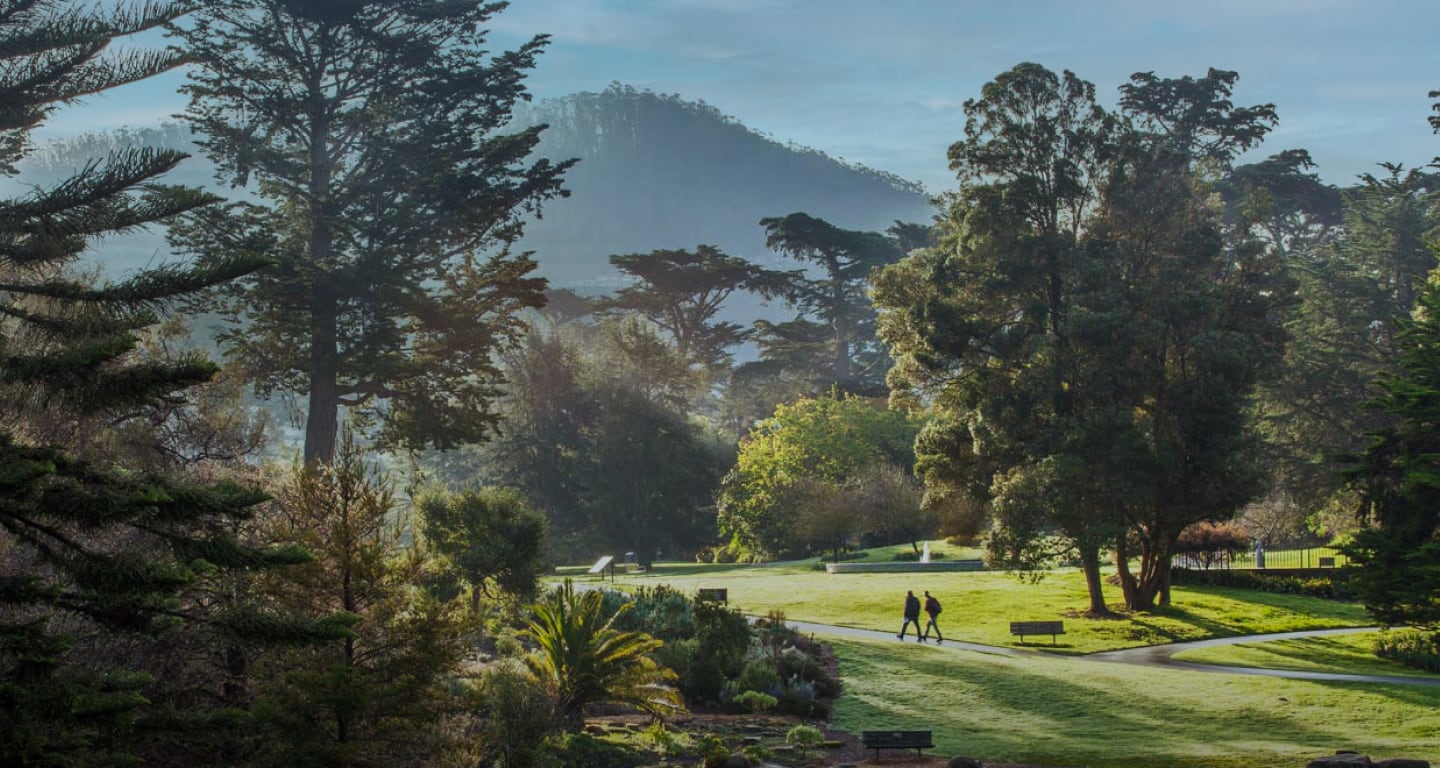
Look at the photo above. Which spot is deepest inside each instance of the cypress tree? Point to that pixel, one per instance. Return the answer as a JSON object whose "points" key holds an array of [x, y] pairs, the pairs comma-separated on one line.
{"points": [[387, 186]]}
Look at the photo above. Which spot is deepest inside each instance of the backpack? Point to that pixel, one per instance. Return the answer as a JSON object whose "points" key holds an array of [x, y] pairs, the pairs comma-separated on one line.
{"points": [[933, 603]]}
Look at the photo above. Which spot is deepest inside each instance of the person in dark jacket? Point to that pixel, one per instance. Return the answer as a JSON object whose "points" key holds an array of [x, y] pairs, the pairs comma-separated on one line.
{"points": [[932, 608], [912, 616]]}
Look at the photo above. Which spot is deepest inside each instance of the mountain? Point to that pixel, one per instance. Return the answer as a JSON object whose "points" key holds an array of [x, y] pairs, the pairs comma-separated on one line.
{"points": [[655, 171]]}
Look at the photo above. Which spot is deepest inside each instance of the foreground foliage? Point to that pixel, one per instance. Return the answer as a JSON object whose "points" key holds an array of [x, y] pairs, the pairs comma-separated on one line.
{"points": [[584, 659], [96, 559]]}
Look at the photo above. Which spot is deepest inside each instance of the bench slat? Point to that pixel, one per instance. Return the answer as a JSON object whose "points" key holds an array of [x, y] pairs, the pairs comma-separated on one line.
{"points": [[1051, 628], [878, 740]]}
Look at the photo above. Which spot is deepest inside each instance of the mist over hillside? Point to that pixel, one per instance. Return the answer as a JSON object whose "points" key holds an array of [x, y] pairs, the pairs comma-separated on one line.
{"points": [[655, 171]]}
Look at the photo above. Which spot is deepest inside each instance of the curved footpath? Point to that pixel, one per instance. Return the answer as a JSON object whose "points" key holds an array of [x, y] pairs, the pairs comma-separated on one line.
{"points": [[1154, 655]]}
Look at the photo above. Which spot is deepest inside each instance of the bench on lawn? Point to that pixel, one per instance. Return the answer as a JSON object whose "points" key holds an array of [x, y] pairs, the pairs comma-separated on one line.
{"points": [[878, 740], [1023, 628], [713, 594]]}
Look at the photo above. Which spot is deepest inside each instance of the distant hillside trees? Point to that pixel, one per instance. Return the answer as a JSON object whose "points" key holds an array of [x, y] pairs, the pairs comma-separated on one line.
{"points": [[659, 172], [373, 137], [684, 291], [832, 339]]}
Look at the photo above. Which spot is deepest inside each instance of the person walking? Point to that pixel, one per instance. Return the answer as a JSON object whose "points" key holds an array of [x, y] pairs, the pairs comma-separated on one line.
{"points": [[932, 608], [912, 616]]}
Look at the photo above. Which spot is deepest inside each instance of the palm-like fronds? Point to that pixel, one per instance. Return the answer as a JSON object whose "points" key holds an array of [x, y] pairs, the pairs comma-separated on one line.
{"points": [[585, 660]]}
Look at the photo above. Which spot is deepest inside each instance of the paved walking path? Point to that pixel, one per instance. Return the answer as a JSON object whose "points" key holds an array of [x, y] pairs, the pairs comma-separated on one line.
{"points": [[1154, 655]]}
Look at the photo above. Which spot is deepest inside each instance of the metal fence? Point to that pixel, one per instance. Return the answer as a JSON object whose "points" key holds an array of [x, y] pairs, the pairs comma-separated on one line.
{"points": [[1258, 559]]}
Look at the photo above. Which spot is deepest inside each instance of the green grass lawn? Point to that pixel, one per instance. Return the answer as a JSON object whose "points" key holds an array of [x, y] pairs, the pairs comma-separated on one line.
{"points": [[980, 605], [1060, 710], [1347, 654], [1065, 711]]}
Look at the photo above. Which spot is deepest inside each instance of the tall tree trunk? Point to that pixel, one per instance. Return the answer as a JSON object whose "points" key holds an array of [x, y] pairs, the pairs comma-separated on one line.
{"points": [[839, 324], [1090, 564], [322, 415], [1128, 587]]}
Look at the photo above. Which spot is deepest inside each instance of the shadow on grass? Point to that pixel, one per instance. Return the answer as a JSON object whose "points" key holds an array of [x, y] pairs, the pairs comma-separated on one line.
{"points": [[1020, 711], [1187, 618]]}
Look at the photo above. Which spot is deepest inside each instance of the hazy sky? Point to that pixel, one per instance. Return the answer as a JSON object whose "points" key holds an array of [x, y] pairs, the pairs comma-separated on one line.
{"points": [[883, 84]]}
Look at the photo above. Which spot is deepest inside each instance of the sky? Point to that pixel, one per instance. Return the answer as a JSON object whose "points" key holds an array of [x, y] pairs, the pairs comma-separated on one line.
{"points": [[883, 84]]}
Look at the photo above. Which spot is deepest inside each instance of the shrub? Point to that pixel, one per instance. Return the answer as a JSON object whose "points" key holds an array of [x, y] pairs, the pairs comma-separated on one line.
{"points": [[755, 701], [659, 611], [665, 741], [517, 718], [759, 676], [581, 750], [1413, 648], [798, 698], [1212, 543], [911, 556], [718, 652], [712, 750], [804, 738]]}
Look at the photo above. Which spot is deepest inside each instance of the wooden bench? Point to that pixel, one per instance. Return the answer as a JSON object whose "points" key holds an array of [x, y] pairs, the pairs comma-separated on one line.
{"points": [[1023, 628], [878, 740]]}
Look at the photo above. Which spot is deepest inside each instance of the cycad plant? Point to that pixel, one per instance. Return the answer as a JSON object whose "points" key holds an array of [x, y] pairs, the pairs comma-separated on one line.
{"points": [[584, 659]]}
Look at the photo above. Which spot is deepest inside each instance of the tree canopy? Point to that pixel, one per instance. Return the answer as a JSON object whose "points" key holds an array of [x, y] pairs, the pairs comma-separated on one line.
{"points": [[372, 139]]}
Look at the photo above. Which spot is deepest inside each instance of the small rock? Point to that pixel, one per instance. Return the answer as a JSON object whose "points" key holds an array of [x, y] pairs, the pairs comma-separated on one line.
{"points": [[963, 762], [1403, 762]]}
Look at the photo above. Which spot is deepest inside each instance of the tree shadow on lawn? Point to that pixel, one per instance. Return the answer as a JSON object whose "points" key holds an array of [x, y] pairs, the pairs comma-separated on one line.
{"points": [[1209, 628], [998, 709]]}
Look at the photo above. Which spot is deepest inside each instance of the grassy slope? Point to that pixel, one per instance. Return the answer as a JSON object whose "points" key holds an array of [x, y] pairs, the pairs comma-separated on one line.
{"points": [[1347, 654], [980, 605], [1064, 711], [1060, 711]]}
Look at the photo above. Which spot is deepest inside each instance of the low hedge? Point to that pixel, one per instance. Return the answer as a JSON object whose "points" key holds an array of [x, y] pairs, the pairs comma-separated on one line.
{"points": [[1325, 586]]}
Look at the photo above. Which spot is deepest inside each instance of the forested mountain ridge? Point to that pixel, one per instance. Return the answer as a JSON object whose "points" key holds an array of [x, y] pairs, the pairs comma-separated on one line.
{"points": [[655, 171]]}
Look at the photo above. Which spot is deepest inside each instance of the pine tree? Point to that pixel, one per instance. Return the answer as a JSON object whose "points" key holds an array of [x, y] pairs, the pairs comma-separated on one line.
{"points": [[373, 136], [1398, 478], [90, 552], [374, 697]]}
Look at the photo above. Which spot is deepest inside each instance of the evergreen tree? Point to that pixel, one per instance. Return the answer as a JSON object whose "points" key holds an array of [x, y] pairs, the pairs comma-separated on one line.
{"points": [[1398, 479], [92, 552], [374, 138], [487, 537], [375, 696], [833, 338], [683, 291]]}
